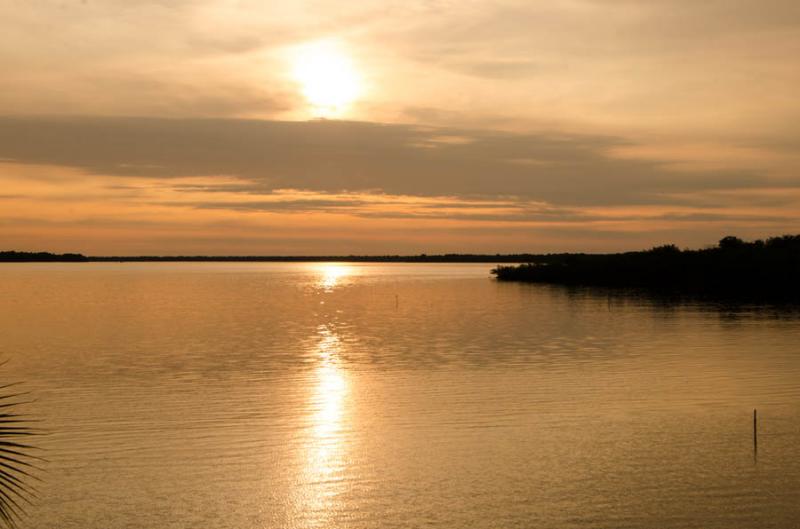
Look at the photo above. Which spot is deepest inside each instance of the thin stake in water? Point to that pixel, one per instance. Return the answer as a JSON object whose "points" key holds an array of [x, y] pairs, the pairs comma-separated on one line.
{"points": [[755, 433]]}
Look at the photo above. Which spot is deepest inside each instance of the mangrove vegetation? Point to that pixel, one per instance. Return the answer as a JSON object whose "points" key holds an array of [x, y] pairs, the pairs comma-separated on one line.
{"points": [[733, 268]]}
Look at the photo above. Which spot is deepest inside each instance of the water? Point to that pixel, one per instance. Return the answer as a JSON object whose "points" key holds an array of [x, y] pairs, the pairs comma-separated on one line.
{"points": [[233, 395]]}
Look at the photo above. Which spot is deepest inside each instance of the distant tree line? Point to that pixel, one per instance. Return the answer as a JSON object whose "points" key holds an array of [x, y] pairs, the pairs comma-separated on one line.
{"points": [[11, 256], [27, 257], [421, 258], [761, 268]]}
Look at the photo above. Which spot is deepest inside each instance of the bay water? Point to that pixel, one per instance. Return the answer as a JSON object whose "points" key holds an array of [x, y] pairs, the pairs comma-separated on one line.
{"points": [[340, 395]]}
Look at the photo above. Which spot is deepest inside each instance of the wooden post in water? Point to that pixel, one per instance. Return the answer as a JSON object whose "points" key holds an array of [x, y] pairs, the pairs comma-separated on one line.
{"points": [[755, 433]]}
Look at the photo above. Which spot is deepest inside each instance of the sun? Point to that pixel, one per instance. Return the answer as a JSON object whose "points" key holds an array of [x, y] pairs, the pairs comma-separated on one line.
{"points": [[327, 77]]}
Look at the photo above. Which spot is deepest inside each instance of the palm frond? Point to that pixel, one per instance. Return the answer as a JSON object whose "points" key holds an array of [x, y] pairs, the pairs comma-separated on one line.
{"points": [[18, 463]]}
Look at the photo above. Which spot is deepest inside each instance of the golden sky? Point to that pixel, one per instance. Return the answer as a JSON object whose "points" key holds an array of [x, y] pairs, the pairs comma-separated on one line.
{"points": [[326, 127]]}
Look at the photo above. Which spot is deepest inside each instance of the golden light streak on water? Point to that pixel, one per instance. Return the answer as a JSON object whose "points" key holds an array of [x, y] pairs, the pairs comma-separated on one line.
{"points": [[325, 448], [331, 275]]}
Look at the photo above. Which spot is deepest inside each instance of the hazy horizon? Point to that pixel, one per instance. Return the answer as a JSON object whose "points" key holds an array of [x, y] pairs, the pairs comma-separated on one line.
{"points": [[367, 256]]}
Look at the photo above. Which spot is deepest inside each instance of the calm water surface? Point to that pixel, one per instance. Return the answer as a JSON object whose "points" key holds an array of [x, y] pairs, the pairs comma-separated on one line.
{"points": [[226, 395]]}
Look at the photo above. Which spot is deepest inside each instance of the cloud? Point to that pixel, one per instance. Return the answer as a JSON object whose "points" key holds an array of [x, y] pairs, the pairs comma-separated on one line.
{"points": [[335, 156], [722, 67], [288, 206]]}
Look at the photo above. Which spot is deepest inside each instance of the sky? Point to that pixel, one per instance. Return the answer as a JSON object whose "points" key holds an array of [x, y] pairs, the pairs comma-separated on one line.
{"points": [[323, 127]]}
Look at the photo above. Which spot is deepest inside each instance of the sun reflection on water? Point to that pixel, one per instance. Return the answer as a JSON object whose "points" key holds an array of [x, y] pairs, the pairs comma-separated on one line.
{"points": [[330, 388], [324, 458], [331, 275]]}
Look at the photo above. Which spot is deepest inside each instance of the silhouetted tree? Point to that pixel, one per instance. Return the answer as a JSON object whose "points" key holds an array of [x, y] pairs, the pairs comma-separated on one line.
{"points": [[730, 242], [735, 268]]}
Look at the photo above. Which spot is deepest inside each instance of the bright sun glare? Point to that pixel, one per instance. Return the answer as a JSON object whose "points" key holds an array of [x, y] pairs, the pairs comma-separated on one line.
{"points": [[330, 274], [327, 77]]}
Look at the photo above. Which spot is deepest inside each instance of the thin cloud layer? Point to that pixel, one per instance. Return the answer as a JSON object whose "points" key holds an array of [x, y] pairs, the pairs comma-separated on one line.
{"points": [[334, 156]]}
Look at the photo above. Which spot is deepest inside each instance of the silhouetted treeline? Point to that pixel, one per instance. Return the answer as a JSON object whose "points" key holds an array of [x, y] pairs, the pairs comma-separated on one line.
{"points": [[762, 268], [422, 258], [33, 257]]}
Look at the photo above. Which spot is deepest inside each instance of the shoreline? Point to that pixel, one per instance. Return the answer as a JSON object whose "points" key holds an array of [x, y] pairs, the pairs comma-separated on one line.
{"points": [[760, 269]]}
